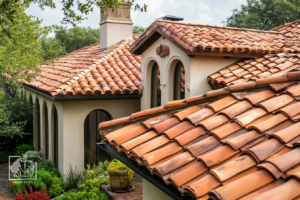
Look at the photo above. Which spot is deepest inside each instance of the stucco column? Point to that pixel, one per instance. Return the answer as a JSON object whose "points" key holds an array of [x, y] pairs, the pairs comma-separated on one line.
{"points": [[151, 192], [50, 131]]}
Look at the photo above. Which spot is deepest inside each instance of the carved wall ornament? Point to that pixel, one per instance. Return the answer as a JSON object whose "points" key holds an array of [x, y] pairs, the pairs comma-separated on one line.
{"points": [[162, 50]]}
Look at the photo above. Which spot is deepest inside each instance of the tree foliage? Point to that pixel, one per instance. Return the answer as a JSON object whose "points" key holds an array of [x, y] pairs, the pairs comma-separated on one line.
{"points": [[138, 30], [264, 14]]}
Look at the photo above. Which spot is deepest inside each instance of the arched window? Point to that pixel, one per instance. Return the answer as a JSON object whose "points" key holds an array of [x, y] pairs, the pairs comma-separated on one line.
{"points": [[155, 87], [179, 82], [46, 131], [38, 124], [55, 136], [92, 153]]}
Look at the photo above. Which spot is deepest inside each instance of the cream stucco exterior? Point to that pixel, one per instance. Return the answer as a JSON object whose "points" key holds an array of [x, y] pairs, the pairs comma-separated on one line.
{"points": [[196, 71], [151, 192], [71, 117]]}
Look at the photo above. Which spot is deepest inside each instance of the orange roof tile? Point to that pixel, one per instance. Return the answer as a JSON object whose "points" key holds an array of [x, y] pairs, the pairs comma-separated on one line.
{"points": [[289, 30], [204, 39], [89, 71], [225, 145]]}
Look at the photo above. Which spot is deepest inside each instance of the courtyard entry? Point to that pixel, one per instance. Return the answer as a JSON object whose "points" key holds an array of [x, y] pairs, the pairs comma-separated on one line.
{"points": [[92, 153]]}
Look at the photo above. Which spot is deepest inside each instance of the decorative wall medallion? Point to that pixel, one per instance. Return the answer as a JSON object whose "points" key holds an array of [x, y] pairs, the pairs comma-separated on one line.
{"points": [[162, 50]]}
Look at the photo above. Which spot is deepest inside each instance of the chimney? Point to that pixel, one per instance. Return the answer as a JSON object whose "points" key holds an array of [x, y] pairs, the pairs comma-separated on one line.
{"points": [[115, 26]]}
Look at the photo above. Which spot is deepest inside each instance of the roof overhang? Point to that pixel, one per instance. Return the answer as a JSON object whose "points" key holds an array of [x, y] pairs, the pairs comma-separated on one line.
{"points": [[155, 180], [146, 42], [79, 98]]}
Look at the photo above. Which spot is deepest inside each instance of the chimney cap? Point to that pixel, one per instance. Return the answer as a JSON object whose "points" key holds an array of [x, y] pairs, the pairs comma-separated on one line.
{"points": [[171, 18]]}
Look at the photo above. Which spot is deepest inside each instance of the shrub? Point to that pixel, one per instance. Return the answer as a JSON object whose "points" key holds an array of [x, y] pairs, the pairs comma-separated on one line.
{"points": [[93, 194], [72, 178], [46, 164], [95, 177], [116, 166], [42, 195], [36, 156], [56, 187], [21, 149], [16, 188]]}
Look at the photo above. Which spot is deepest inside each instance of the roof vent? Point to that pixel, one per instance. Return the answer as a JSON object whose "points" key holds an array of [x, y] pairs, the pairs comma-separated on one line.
{"points": [[171, 18]]}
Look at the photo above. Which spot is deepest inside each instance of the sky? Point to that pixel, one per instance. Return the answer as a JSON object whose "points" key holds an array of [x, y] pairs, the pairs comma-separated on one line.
{"points": [[211, 12]]}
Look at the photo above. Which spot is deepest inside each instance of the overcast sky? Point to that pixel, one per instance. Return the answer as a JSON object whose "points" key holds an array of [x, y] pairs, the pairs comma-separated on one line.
{"points": [[211, 12]]}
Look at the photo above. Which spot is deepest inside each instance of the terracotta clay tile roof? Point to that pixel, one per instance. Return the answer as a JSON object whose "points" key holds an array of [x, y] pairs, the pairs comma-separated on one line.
{"points": [[88, 71], [271, 65], [289, 30], [203, 39], [239, 142]]}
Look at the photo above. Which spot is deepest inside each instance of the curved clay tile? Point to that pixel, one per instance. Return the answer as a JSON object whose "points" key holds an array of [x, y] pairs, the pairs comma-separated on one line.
{"points": [[199, 115], [159, 154], [107, 124], [150, 145], [174, 163], [177, 103], [295, 171], [178, 129], [129, 135], [188, 174], [182, 114], [217, 155], [226, 130], [264, 150], [271, 168], [279, 127], [236, 109], [294, 90], [222, 103], [287, 161], [291, 110], [243, 185], [157, 119], [288, 133], [232, 168], [259, 120], [260, 96], [280, 192], [242, 139], [203, 146], [189, 136], [276, 102], [138, 140], [151, 111], [165, 125], [269, 123], [213, 122], [200, 187], [119, 132], [249, 116]]}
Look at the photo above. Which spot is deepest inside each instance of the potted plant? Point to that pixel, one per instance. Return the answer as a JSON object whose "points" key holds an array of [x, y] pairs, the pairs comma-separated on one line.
{"points": [[120, 175]]}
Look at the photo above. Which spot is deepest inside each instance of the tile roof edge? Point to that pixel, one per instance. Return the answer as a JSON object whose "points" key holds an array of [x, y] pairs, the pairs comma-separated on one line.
{"points": [[290, 76]]}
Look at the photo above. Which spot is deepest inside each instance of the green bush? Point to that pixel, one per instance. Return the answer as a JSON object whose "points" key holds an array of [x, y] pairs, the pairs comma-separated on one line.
{"points": [[117, 165], [56, 188], [36, 156], [46, 164], [20, 150], [72, 177], [95, 177], [93, 194]]}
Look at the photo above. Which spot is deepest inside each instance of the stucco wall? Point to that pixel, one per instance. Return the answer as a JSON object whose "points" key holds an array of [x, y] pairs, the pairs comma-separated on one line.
{"points": [[71, 117], [74, 114], [201, 67], [196, 71], [151, 192], [167, 66]]}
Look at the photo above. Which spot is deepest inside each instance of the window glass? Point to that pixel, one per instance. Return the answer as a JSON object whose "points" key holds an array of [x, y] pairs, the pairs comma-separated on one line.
{"points": [[179, 82]]}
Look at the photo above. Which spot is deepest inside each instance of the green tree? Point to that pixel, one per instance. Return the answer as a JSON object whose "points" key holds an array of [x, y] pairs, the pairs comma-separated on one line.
{"points": [[138, 30], [51, 48], [264, 14]]}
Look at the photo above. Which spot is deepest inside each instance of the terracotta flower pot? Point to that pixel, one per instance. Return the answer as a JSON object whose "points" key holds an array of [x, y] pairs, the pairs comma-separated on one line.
{"points": [[119, 180]]}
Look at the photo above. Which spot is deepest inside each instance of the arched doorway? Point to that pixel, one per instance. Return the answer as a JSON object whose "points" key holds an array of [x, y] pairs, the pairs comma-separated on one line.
{"points": [[92, 153], [55, 136]]}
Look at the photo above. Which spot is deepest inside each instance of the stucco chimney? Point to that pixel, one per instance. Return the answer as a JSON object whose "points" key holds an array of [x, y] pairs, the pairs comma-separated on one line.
{"points": [[115, 26]]}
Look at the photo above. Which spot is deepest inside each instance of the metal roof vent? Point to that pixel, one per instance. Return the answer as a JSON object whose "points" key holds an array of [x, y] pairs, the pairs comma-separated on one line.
{"points": [[171, 18]]}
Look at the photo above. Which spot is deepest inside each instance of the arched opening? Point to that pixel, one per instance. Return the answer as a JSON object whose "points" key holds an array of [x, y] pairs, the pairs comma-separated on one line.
{"points": [[46, 131], [55, 136], [92, 153], [155, 86], [38, 124], [179, 82]]}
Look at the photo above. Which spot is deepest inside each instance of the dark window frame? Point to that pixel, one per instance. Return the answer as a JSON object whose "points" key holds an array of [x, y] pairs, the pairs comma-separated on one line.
{"points": [[155, 86], [177, 83]]}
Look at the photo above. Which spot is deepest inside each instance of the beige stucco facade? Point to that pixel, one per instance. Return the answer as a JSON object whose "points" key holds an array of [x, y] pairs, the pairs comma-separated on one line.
{"points": [[151, 192], [197, 69], [71, 117]]}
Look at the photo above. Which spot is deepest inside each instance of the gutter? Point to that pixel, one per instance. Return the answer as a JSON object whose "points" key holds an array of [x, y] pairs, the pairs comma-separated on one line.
{"points": [[78, 98], [155, 180]]}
